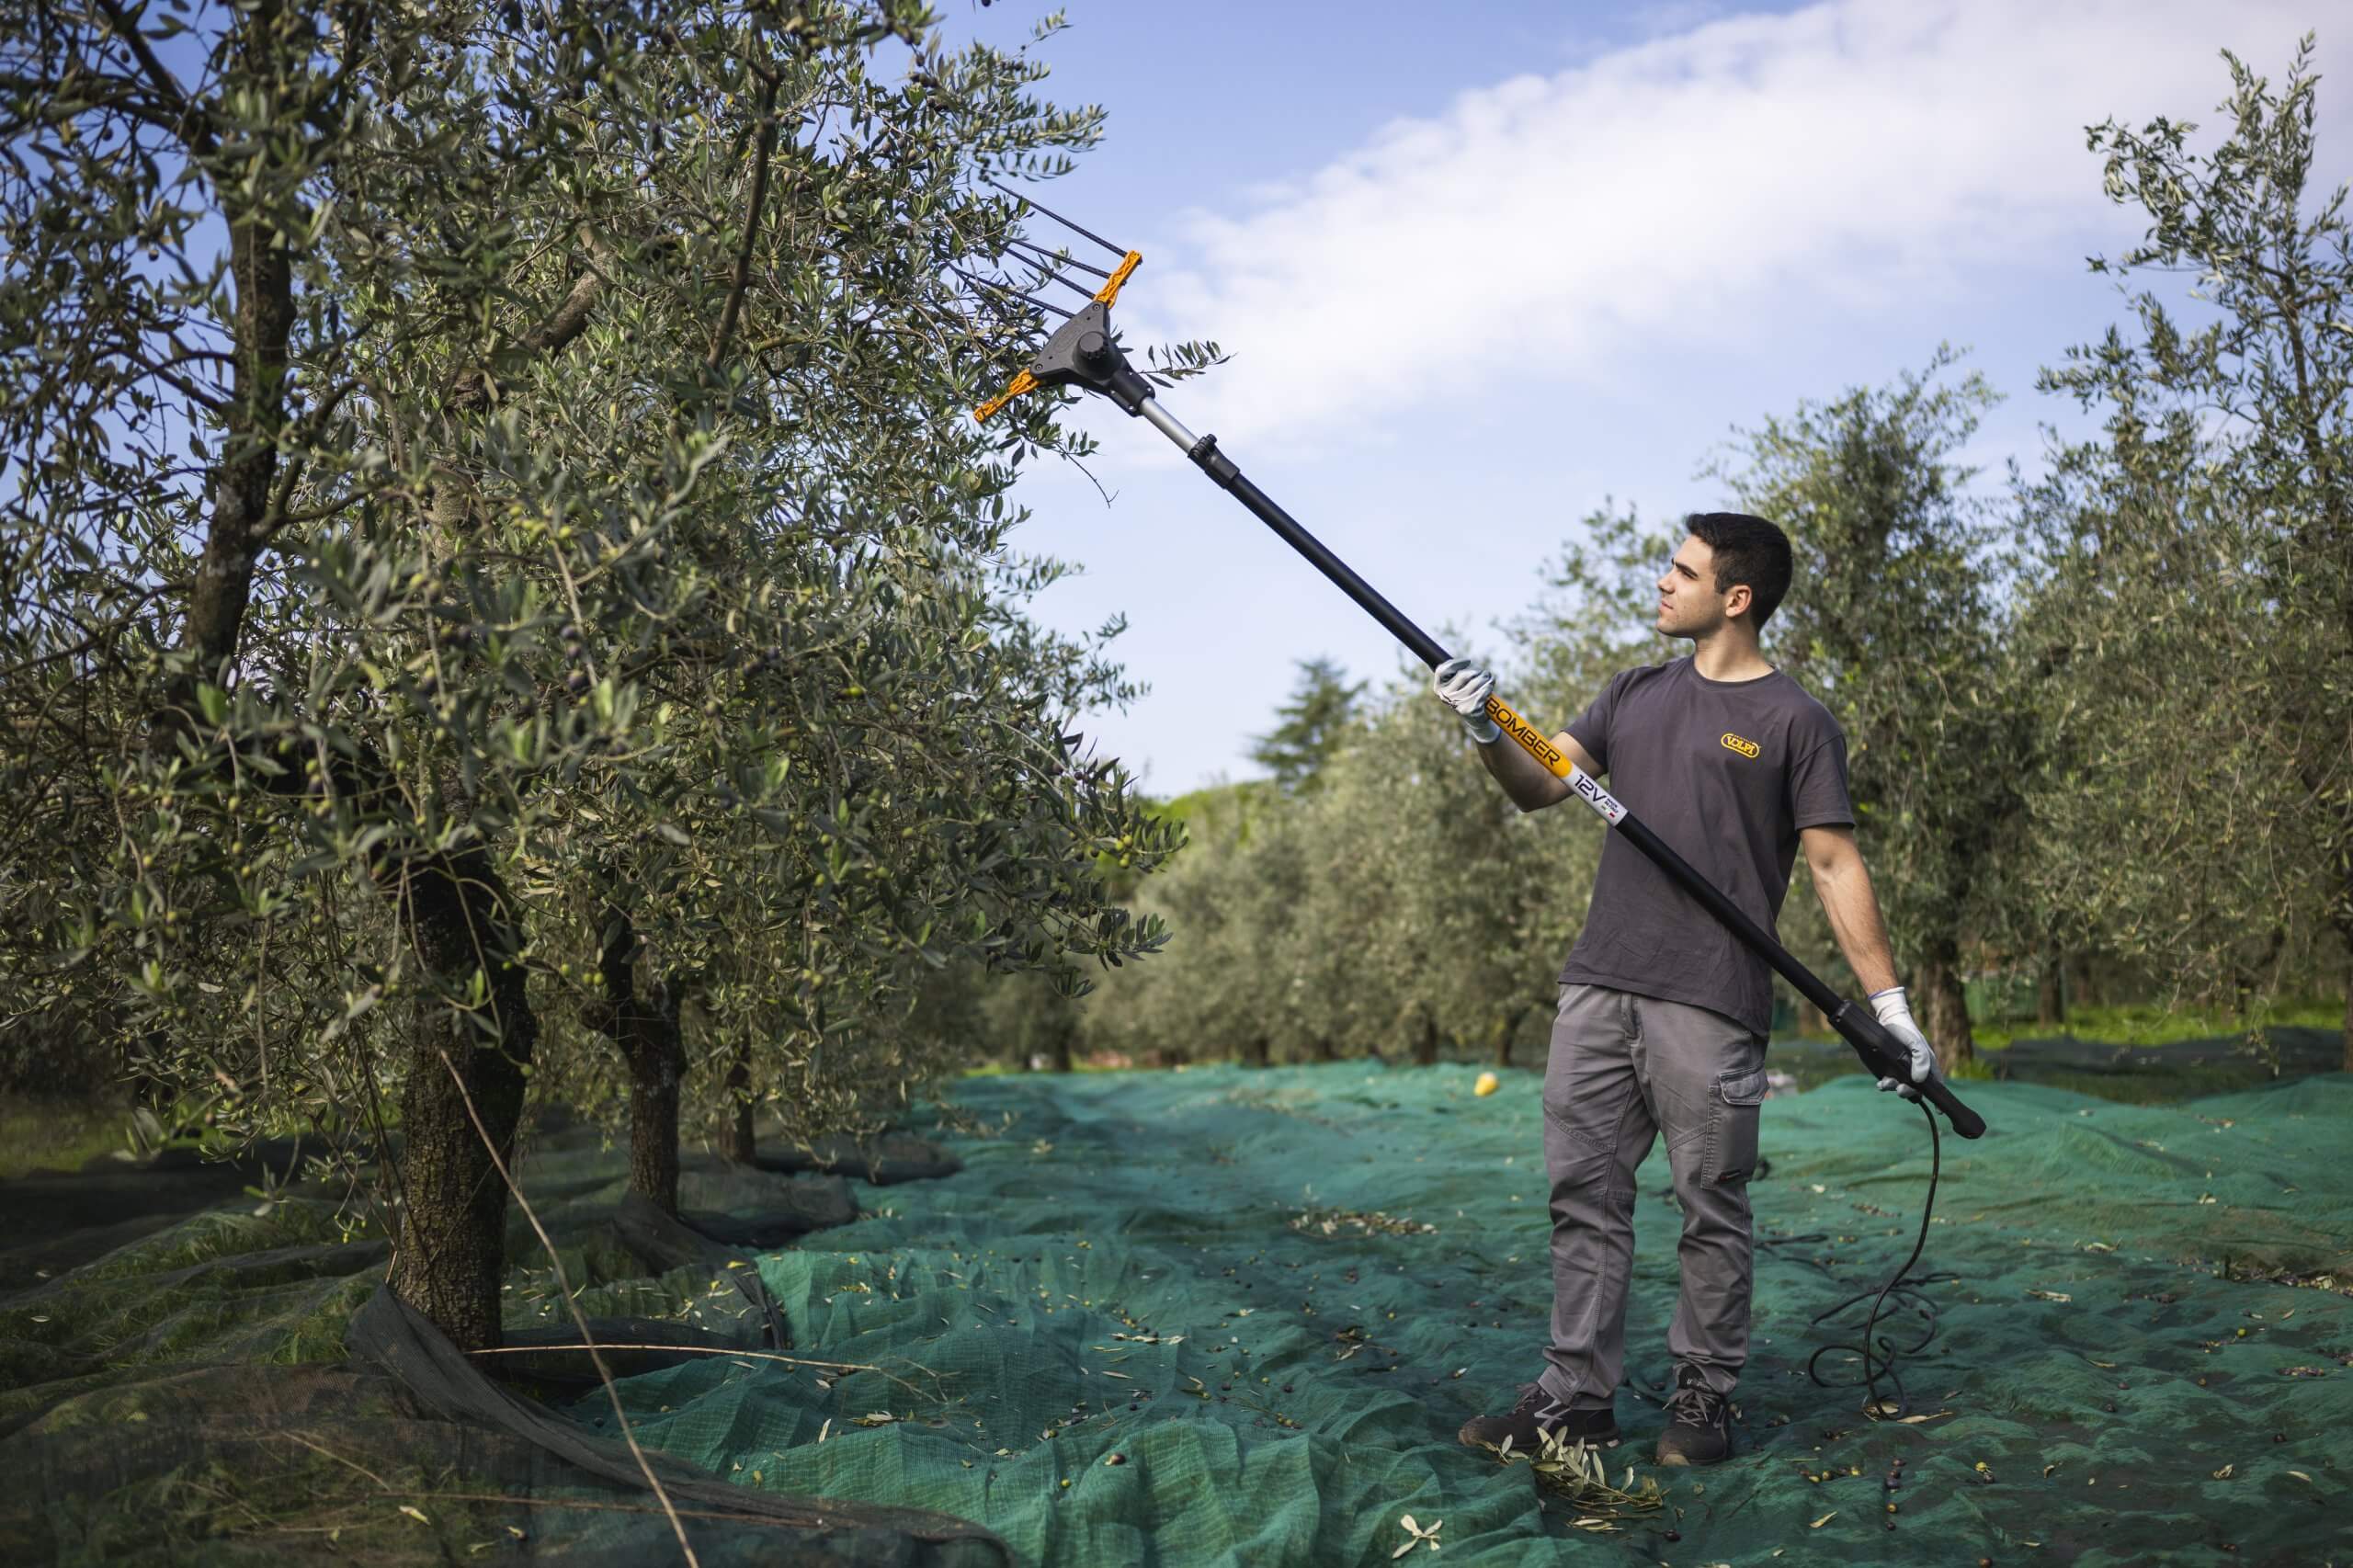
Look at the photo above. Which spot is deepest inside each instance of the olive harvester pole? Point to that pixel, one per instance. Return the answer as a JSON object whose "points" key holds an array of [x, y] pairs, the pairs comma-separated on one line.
{"points": [[1083, 353]]}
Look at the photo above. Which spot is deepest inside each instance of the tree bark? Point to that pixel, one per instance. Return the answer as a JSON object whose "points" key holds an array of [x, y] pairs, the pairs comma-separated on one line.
{"points": [[1506, 1027], [1944, 1013], [452, 1246], [742, 1147], [2347, 931], [1426, 1042], [2347, 1063], [1321, 1049], [2050, 994], [645, 1029], [1811, 1024], [247, 477], [1254, 1052], [653, 1078]]}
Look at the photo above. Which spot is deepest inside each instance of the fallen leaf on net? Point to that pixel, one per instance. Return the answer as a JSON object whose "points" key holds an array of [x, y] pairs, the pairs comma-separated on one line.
{"points": [[1418, 1535], [1824, 1520]]}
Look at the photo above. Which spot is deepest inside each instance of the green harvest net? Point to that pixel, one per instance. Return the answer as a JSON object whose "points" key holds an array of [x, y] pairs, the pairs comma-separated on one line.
{"points": [[1223, 1316], [1049, 1322]]}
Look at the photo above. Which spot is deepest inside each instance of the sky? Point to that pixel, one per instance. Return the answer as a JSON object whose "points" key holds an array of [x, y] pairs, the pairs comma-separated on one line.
{"points": [[1481, 267]]}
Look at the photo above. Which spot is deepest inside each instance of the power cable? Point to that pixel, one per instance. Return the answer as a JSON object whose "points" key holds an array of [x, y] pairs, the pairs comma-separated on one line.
{"points": [[1908, 1290]]}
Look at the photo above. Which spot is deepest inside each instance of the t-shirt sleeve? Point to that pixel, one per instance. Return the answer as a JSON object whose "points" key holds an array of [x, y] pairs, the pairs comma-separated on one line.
{"points": [[1818, 796], [1591, 729]]}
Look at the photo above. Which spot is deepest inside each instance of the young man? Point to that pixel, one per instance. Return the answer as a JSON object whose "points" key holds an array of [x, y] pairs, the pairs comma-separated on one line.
{"points": [[1663, 1012]]}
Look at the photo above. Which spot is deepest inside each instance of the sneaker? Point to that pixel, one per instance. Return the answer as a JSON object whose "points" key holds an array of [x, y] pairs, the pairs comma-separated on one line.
{"points": [[1537, 1417], [1698, 1428]]}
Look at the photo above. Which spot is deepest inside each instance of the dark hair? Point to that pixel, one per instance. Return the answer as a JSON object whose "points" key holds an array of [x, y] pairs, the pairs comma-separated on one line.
{"points": [[1748, 550]]}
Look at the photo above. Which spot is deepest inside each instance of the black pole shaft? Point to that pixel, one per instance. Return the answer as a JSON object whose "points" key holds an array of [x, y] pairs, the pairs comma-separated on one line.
{"points": [[1424, 646], [1880, 1052]]}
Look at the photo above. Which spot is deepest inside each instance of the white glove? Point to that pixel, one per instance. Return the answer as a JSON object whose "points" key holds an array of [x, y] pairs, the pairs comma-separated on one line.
{"points": [[1895, 1018], [1463, 687]]}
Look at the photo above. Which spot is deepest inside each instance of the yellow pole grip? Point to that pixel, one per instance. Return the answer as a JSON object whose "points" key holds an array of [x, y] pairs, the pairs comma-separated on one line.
{"points": [[1532, 741], [1538, 744]]}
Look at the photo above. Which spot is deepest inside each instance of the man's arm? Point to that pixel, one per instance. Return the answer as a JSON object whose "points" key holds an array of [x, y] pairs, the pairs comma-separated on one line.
{"points": [[1844, 889], [1530, 784], [1463, 685]]}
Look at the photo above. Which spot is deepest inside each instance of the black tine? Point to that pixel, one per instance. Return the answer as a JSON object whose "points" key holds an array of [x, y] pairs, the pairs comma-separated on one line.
{"points": [[989, 297], [992, 283], [1046, 258], [1080, 288], [1115, 250]]}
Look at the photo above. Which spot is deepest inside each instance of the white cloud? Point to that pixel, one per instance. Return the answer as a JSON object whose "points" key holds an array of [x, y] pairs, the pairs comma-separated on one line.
{"points": [[1852, 157]]}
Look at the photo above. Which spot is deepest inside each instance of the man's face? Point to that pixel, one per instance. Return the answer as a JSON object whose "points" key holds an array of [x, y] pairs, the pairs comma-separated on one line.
{"points": [[1688, 605]]}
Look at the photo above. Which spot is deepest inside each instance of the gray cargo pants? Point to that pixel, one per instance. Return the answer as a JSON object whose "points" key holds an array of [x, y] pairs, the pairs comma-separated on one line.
{"points": [[1624, 1069]]}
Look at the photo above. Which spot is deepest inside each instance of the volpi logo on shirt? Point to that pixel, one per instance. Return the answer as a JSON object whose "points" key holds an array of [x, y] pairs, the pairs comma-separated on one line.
{"points": [[1735, 743]]}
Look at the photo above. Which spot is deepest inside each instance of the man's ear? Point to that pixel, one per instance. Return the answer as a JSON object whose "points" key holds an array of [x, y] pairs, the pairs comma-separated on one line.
{"points": [[1738, 600]]}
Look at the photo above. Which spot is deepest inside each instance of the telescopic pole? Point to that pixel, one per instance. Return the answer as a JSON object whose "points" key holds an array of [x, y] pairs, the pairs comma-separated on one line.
{"points": [[1082, 352]]}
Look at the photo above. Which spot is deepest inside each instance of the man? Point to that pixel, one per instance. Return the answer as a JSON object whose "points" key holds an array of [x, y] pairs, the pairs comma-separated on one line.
{"points": [[1663, 1012]]}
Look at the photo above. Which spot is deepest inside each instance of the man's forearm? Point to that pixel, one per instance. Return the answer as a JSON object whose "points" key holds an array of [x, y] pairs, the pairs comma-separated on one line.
{"points": [[1529, 783], [1853, 908]]}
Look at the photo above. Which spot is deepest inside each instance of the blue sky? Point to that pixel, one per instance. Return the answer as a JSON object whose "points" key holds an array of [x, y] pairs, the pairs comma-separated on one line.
{"points": [[1481, 267]]}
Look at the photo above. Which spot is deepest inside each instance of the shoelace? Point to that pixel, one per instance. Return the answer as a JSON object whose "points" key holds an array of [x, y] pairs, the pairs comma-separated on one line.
{"points": [[1695, 1404], [1549, 1412]]}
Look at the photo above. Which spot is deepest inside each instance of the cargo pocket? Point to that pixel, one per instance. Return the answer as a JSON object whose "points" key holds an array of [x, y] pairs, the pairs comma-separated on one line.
{"points": [[1732, 1128]]}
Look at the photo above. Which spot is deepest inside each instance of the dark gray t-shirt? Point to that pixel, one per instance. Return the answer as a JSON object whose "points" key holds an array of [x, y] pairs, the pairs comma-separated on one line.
{"points": [[1727, 772]]}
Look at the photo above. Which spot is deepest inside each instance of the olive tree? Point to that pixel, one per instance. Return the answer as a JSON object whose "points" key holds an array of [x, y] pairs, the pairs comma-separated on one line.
{"points": [[487, 558], [2197, 591]]}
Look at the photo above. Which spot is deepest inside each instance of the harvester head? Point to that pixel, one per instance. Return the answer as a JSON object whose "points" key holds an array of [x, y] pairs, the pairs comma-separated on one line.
{"points": [[1080, 352]]}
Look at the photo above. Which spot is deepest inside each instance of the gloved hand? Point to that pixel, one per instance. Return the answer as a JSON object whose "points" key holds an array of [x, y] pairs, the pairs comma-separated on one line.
{"points": [[1463, 685], [1895, 1018]]}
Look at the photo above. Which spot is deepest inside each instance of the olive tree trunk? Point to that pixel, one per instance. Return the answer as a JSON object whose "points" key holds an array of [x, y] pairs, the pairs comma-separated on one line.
{"points": [[463, 1101], [1506, 1027], [742, 1147], [1254, 1052], [2347, 931], [2050, 994], [1426, 1042], [653, 1077], [1944, 1012], [645, 1030]]}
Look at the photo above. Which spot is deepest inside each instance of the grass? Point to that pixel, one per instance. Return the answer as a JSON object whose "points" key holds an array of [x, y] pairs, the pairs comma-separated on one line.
{"points": [[39, 1134], [2149, 1024]]}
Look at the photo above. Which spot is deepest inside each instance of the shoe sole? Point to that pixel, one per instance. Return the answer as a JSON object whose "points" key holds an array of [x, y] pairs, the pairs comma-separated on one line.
{"points": [[1683, 1461]]}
